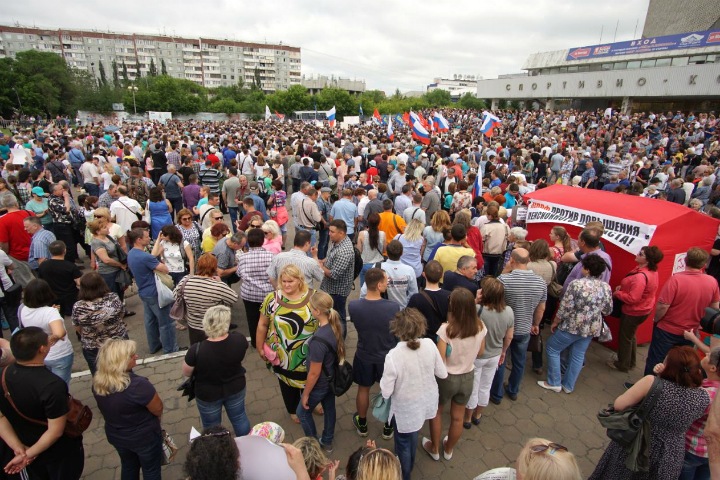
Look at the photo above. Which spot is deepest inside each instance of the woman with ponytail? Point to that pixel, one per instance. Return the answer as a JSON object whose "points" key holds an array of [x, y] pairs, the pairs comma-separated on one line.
{"points": [[409, 382], [323, 347]]}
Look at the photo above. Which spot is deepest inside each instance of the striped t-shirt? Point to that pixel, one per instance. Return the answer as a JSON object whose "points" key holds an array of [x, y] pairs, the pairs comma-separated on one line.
{"points": [[202, 293], [524, 291]]}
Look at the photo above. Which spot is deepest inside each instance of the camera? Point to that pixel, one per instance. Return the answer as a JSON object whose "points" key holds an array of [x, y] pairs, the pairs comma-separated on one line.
{"points": [[710, 323]]}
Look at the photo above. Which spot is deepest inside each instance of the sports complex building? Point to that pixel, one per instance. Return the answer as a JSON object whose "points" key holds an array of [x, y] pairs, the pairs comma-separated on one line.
{"points": [[674, 66]]}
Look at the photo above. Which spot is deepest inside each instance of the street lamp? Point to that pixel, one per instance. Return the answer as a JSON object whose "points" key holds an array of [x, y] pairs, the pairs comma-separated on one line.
{"points": [[133, 89], [18, 99]]}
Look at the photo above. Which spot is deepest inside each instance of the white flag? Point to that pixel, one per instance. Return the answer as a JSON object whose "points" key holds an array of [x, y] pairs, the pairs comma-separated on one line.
{"points": [[268, 115]]}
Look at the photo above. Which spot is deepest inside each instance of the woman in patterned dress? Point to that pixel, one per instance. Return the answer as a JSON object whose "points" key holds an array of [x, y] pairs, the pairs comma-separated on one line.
{"points": [[578, 320], [681, 401], [286, 323]]}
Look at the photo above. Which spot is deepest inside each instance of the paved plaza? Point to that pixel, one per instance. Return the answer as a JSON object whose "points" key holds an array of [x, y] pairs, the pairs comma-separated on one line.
{"points": [[566, 419]]}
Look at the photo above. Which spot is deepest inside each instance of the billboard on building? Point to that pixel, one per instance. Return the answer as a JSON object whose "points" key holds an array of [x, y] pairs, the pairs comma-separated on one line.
{"points": [[647, 45]]}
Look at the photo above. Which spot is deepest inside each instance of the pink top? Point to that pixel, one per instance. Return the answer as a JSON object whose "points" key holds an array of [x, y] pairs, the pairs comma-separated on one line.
{"points": [[274, 245]]}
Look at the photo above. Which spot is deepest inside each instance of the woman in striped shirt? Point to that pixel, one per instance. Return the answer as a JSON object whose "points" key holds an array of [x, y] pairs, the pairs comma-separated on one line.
{"points": [[202, 291]]}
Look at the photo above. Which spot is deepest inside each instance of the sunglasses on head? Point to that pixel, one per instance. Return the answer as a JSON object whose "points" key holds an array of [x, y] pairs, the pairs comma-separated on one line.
{"points": [[223, 433], [551, 448]]}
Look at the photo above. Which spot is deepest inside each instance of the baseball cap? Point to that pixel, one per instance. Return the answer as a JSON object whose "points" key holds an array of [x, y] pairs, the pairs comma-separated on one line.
{"points": [[326, 190], [38, 191], [253, 185]]}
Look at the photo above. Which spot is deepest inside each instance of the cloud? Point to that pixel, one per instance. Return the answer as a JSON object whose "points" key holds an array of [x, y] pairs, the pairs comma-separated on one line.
{"points": [[388, 44]]}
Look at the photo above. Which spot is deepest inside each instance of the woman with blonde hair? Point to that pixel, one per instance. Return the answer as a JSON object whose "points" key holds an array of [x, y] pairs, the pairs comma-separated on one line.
{"points": [[219, 374], [131, 408], [433, 233], [539, 459], [316, 462], [499, 320], [413, 244], [379, 464], [273, 237], [325, 347], [286, 324], [460, 341], [408, 380]]}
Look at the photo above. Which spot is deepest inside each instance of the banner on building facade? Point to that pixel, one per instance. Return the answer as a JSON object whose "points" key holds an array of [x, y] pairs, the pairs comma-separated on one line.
{"points": [[629, 235], [647, 45]]}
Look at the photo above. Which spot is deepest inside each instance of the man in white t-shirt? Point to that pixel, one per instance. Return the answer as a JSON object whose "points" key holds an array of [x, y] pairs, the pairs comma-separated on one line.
{"points": [[125, 210], [91, 176]]}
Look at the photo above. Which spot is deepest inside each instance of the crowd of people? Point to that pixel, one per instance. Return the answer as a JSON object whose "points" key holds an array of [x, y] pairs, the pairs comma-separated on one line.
{"points": [[452, 292]]}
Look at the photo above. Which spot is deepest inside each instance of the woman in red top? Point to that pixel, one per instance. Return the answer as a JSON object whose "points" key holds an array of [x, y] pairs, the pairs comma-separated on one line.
{"points": [[637, 292], [474, 237], [372, 171]]}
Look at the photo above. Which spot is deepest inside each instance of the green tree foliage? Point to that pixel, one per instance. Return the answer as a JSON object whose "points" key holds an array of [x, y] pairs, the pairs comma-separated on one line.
{"points": [[152, 70], [438, 98], [103, 78], [163, 68], [257, 83], [288, 101], [167, 94], [345, 104], [125, 77], [470, 101], [116, 79]]}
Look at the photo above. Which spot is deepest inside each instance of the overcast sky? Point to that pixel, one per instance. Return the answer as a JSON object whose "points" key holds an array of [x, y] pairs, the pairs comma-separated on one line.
{"points": [[389, 44]]}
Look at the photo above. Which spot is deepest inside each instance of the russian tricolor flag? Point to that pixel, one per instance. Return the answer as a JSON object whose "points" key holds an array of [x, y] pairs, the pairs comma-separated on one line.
{"points": [[441, 124], [390, 131], [489, 123], [330, 114], [419, 133], [377, 117], [477, 186]]}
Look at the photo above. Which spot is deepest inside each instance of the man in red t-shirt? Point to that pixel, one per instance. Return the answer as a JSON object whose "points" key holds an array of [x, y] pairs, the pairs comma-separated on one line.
{"points": [[681, 305], [14, 240]]}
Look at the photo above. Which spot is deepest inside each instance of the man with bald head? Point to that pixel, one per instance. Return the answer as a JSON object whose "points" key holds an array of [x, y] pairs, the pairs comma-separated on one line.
{"points": [[375, 205], [172, 184], [525, 293]]}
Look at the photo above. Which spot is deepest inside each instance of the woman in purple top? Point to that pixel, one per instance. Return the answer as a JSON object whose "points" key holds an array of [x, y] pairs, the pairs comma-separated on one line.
{"points": [[131, 408]]}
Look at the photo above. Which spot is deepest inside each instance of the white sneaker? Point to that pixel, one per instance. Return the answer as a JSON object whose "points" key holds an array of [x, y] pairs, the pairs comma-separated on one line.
{"points": [[544, 385]]}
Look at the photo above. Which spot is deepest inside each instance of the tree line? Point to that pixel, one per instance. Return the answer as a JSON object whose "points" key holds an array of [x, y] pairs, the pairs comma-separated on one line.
{"points": [[41, 83]]}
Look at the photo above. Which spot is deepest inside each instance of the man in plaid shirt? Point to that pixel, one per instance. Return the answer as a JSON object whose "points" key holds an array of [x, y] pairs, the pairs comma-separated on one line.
{"points": [[252, 270], [338, 268]]}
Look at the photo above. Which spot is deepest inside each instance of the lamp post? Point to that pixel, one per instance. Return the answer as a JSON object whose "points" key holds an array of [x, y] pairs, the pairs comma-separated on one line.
{"points": [[18, 99], [133, 89]]}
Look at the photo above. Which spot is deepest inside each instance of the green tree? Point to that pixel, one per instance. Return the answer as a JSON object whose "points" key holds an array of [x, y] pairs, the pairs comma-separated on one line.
{"points": [[116, 80], [152, 70], [43, 82], [438, 98], [125, 77], [9, 97], [345, 104], [163, 68], [257, 82], [470, 101], [288, 101], [138, 74], [101, 70]]}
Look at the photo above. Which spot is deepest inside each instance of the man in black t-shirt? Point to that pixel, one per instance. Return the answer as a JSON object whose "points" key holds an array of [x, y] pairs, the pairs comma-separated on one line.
{"points": [[43, 396], [62, 276], [371, 316], [433, 302], [463, 277]]}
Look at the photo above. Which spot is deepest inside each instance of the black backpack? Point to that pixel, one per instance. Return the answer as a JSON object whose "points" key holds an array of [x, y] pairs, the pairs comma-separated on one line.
{"points": [[341, 378], [358, 265]]}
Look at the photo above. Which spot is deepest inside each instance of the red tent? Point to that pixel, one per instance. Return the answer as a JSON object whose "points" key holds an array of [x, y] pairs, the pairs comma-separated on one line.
{"points": [[630, 223]]}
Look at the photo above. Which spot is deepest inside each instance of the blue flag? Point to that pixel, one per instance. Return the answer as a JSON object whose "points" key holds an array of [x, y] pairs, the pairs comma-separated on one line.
{"points": [[361, 112]]}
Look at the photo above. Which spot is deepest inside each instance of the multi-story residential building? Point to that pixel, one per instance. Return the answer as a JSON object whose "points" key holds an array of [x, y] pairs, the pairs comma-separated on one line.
{"points": [[207, 61], [316, 83]]}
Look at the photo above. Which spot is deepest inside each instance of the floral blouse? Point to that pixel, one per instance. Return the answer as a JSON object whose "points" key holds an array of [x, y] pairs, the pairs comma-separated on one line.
{"points": [[583, 306], [461, 200]]}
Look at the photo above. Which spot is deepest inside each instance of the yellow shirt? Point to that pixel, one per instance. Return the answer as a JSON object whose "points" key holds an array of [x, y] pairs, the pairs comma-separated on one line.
{"points": [[449, 255], [208, 244]]}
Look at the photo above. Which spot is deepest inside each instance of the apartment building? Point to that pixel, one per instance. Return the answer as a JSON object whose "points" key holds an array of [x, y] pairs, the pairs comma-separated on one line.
{"points": [[209, 62]]}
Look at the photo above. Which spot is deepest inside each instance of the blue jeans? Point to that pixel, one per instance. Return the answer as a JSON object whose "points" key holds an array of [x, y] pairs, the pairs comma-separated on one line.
{"points": [[576, 346], [92, 189], [211, 412], [695, 468], [147, 457], [233, 217], [660, 345], [159, 327], [323, 242], [177, 204], [339, 305], [90, 355], [62, 367], [405, 449], [363, 271], [110, 280], [326, 398], [518, 353]]}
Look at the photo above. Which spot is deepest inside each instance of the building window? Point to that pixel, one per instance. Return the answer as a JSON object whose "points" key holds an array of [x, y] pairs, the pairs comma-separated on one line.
{"points": [[633, 64], [606, 66], [679, 61], [697, 59], [620, 66], [662, 62], [572, 69], [647, 63]]}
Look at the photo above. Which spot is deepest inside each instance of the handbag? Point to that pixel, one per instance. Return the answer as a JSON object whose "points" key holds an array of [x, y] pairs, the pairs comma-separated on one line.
{"points": [[605, 335], [138, 215], [535, 344], [119, 252], [78, 417], [177, 311], [380, 407], [169, 448], [124, 278], [555, 288], [617, 303], [188, 386], [165, 295], [630, 428]]}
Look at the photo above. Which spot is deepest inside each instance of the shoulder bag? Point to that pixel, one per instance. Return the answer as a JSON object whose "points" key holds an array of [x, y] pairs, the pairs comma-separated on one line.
{"points": [[555, 288], [78, 419], [177, 311], [138, 215], [188, 386], [617, 303], [119, 252], [630, 428]]}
